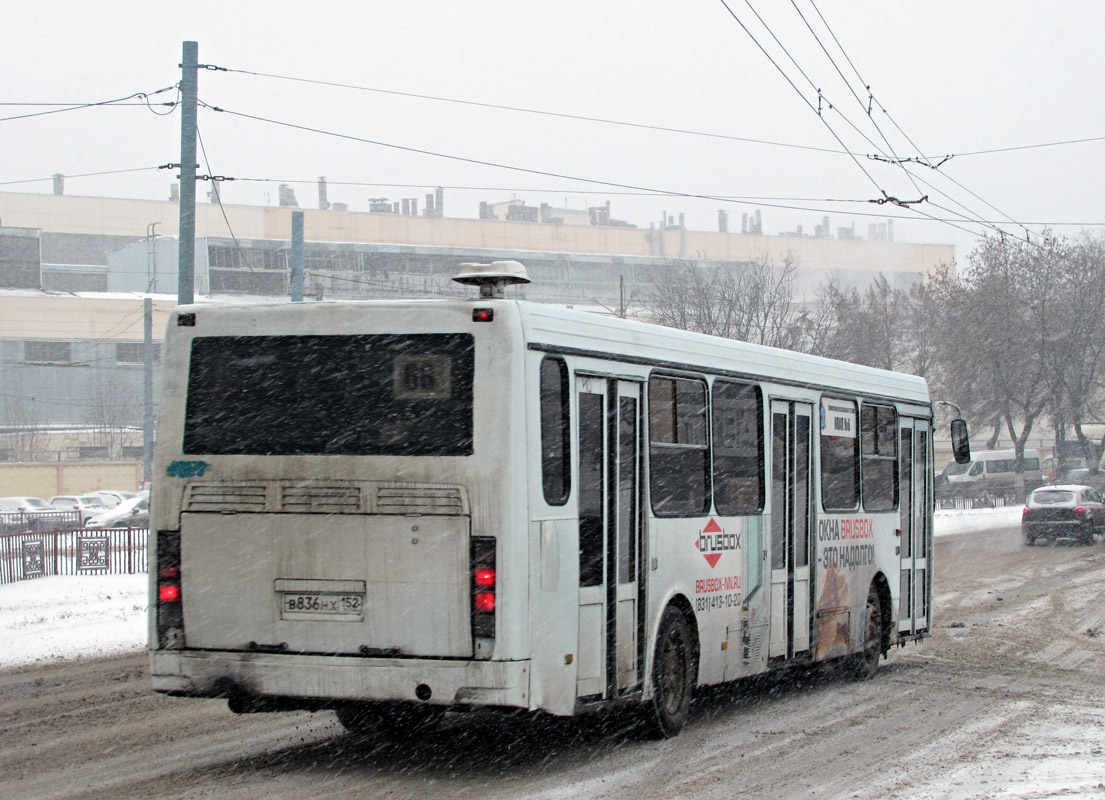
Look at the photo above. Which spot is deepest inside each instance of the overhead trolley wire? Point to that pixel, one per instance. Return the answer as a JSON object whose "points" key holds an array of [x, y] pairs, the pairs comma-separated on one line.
{"points": [[848, 84], [800, 94], [922, 160], [970, 217]]}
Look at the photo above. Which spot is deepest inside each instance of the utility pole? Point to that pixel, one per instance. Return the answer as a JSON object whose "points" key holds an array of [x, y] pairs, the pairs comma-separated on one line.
{"points": [[147, 397], [189, 93]]}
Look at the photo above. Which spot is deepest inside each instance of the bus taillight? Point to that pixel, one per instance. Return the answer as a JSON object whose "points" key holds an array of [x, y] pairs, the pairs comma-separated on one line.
{"points": [[483, 587], [170, 612]]}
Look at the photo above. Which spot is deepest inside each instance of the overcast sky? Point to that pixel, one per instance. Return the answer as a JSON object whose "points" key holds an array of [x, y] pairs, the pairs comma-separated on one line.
{"points": [[954, 77]]}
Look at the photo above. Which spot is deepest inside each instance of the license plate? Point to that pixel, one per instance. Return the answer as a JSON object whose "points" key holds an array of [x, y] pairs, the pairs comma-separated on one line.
{"points": [[339, 606]]}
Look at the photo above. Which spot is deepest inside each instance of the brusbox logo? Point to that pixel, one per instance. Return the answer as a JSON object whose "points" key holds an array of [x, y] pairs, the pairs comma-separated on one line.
{"points": [[713, 541]]}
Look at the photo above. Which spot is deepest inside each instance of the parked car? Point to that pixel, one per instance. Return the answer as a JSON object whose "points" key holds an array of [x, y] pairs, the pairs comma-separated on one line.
{"points": [[30, 514], [87, 505], [131, 513], [112, 498], [1083, 477], [25, 505], [1067, 511]]}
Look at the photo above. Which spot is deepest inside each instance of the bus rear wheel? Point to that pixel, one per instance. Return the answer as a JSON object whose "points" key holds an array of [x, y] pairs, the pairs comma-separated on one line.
{"points": [[674, 672], [397, 719], [866, 662]]}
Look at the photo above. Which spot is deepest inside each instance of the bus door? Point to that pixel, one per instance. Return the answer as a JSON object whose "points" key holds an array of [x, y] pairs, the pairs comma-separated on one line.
{"points": [[914, 469], [790, 528], [611, 586]]}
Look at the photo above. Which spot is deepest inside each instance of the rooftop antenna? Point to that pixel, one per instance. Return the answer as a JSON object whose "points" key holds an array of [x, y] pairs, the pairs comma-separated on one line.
{"points": [[492, 278]]}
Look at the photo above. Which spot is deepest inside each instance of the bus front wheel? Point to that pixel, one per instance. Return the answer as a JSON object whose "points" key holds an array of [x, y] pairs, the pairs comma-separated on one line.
{"points": [[674, 671]]}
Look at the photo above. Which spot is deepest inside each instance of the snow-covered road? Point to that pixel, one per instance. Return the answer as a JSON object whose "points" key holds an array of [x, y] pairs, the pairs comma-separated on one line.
{"points": [[1003, 701]]}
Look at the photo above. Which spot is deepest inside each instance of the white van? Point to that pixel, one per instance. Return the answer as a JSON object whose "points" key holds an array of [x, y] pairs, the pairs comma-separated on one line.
{"points": [[991, 470]]}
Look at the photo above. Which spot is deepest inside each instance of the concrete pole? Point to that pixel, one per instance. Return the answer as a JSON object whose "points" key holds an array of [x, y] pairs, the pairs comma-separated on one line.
{"points": [[189, 92], [297, 257], [147, 395]]}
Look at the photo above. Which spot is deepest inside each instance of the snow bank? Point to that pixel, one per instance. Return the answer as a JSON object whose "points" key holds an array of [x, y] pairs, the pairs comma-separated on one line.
{"points": [[956, 521]]}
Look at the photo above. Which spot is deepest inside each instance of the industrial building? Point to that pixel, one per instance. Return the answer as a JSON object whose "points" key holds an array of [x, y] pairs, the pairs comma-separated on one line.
{"points": [[74, 271]]}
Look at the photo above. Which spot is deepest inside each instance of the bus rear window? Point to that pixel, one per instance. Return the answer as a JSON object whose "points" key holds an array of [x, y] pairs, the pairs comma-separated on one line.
{"points": [[364, 394]]}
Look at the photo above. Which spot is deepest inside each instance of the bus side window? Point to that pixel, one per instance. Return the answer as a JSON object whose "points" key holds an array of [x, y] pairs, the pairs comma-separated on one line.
{"points": [[738, 448], [556, 479], [839, 455], [679, 466], [879, 455]]}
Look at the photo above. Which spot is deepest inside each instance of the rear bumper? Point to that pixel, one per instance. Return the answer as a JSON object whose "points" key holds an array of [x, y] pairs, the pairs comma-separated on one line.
{"points": [[1055, 528], [265, 675]]}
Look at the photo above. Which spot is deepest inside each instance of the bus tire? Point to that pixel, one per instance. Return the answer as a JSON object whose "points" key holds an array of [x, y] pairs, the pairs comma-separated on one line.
{"points": [[865, 663], [674, 671], [400, 720]]}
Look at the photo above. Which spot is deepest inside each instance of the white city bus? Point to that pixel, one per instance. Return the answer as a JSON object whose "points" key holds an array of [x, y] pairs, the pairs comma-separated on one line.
{"points": [[397, 508]]}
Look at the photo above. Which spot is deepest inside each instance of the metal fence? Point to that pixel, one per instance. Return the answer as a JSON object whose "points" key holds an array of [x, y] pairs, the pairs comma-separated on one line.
{"points": [[20, 521], [980, 500], [101, 551]]}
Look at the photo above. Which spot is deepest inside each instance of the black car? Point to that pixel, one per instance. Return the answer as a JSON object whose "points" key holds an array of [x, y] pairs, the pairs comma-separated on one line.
{"points": [[1068, 511]]}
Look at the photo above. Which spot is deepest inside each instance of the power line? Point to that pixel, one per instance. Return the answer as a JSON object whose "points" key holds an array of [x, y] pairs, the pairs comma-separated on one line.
{"points": [[81, 175], [895, 159], [540, 112], [80, 106], [646, 126], [465, 159], [218, 197], [1030, 146]]}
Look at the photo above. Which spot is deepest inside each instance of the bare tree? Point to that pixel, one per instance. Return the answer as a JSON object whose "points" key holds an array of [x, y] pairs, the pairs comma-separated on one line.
{"points": [[1076, 348], [23, 437], [111, 419], [752, 302], [880, 327], [997, 321]]}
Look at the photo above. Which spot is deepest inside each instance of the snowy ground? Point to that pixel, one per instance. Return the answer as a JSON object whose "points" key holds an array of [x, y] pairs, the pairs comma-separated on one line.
{"points": [[72, 616]]}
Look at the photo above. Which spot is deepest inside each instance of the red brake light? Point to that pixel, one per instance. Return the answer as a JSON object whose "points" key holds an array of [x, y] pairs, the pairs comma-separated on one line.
{"points": [[483, 315], [1080, 510], [1024, 513], [483, 586], [485, 601], [168, 593]]}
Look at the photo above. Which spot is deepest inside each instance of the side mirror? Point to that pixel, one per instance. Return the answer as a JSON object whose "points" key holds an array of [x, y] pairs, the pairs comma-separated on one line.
{"points": [[961, 442]]}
